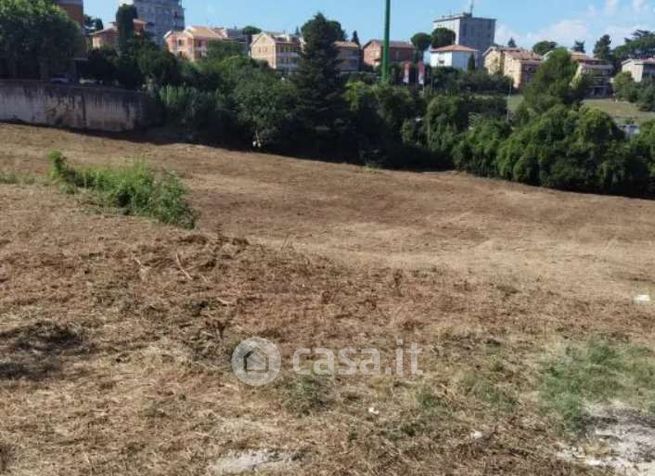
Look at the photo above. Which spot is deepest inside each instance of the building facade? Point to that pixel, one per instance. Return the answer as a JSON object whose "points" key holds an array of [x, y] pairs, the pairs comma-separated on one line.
{"points": [[74, 8], [108, 38], [640, 69], [598, 71], [470, 31], [399, 52], [350, 56], [516, 63], [193, 42], [161, 16], [453, 56], [280, 50]]}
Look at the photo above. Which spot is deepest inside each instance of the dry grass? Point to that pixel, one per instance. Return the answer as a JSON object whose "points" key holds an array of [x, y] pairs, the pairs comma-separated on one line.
{"points": [[118, 331]]}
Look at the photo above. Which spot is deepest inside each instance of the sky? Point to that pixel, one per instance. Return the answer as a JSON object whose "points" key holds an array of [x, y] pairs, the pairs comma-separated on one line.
{"points": [[527, 21]]}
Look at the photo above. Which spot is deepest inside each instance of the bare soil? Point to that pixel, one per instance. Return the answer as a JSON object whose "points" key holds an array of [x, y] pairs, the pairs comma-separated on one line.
{"points": [[116, 332]]}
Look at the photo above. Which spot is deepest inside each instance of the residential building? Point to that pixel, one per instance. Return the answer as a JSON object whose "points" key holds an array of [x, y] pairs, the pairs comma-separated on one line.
{"points": [[473, 32], [74, 8], [640, 69], [599, 71], [350, 56], [192, 42], [161, 16], [108, 38], [399, 52], [453, 56], [280, 50], [516, 63]]}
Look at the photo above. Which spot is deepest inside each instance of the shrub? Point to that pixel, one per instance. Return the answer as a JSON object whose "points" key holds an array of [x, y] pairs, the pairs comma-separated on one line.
{"points": [[134, 189], [478, 150]]}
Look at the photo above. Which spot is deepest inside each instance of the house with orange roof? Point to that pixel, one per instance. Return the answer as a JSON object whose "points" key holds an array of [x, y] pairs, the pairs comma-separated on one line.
{"points": [[193, 42], [453, 56], [280, 51], [516, 63], [108, 38]]}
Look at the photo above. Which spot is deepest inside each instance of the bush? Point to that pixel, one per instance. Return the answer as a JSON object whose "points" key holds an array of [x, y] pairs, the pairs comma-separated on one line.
{"points": [[135, 190], [478, 150]]}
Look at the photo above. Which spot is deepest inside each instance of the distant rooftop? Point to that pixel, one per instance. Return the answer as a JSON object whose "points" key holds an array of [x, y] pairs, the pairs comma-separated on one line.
{"points": [[459, 16]]}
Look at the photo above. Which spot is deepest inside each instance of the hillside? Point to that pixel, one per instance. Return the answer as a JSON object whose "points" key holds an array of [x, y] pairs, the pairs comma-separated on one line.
{"points": [[116, 332]]}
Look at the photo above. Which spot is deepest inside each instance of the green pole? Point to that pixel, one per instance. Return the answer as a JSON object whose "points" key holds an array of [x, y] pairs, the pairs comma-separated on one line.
{"points": [[387, 34]]}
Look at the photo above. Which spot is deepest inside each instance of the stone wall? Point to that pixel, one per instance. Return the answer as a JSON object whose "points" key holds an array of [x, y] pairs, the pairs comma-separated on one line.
{"points": [[75, 107]]}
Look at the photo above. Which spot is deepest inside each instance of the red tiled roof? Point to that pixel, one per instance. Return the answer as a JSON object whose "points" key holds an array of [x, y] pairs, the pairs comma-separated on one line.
{"points": [[454, 49]]}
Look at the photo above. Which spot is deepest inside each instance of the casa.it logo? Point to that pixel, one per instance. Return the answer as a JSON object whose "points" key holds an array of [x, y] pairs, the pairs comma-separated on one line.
{"points": [[256, 362]]}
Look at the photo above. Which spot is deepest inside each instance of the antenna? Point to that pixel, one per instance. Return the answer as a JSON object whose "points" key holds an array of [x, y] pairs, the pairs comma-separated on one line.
{"points": [[472, 6]]}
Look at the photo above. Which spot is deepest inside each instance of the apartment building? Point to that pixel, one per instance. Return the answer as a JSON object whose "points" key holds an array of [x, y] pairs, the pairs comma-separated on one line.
{"points": [[280, 50], [74, 8], [350, 56], [193, 42], [453, 56], [399, 52], [161, 16], [640, 69], [516, 63], [599, 72], [108, 38], [472, 32]]}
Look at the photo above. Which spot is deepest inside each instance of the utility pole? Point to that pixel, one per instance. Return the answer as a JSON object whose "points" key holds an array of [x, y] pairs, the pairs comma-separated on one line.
{"points": [[385, 51]]}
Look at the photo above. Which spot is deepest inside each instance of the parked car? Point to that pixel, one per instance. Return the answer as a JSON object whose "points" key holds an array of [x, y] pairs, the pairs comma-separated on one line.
{"points": [[61, 79]]}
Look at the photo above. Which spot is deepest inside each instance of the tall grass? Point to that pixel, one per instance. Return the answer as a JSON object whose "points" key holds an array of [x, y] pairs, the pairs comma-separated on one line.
{"points": [[134, 189], [597, 372]]}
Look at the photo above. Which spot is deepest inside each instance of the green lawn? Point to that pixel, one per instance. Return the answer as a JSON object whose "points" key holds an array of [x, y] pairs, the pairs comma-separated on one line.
{"points": [[621, 111]]}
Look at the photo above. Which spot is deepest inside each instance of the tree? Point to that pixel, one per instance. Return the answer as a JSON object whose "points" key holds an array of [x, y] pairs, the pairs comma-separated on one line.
{"points": [[421, 42], [92, 25], [251, 30], [355, 38], [603, 49], [317, 81], [338, 30], [471, 66], [125, 17], [29, 54], [101, 65], [555, 83], [641, 45], [578, 47], [511, 43], [222, 49], [544, 47], [443, 37]]}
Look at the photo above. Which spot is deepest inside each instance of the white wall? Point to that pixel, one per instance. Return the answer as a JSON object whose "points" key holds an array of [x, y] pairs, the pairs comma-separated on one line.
{"points": [[75, 107], [459, 60]]}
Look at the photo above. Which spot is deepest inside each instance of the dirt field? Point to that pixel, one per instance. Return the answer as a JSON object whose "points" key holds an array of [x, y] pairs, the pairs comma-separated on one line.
{"points": [[116, 332]]}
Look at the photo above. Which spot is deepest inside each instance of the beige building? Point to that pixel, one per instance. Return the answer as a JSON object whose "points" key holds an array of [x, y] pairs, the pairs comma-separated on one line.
{"points": [[280, 50], [192, 43], [108, 38], [350, 56], [640, 69], [516, 63]]}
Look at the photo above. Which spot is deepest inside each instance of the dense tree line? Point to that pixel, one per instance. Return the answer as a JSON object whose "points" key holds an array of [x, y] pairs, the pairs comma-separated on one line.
{"points": [[460, 122]]}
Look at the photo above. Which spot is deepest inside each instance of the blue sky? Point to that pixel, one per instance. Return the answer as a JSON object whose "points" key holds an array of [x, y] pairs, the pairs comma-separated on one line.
{"points": [[528, 21]]}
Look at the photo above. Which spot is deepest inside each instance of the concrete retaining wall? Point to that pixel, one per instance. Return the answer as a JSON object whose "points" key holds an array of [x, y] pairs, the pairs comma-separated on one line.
{"points": [[75, 107]]}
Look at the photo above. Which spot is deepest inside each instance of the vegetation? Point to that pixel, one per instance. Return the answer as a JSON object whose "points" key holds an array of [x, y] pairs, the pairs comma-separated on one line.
{"points": [[135, 190], [544, 47], [443, 37], [31, 56], [642, 94], [597, 372]]}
